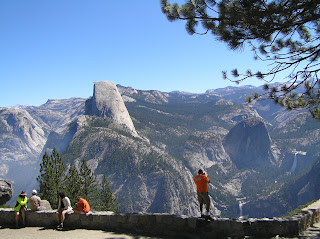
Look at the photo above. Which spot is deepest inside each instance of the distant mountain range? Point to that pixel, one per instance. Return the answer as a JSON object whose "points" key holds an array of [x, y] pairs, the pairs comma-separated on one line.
{"points": [[150, 144]]}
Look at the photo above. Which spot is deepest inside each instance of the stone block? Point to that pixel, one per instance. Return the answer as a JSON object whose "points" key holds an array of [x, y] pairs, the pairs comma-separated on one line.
{"points": [[5, 191], [46, 205], [163, 218], [133, 219], [98, 221], [192, 223], [115, 221]]}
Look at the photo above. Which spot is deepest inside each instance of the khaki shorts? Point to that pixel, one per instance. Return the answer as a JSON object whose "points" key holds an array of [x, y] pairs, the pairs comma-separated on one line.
{"points": [[203, 198]]}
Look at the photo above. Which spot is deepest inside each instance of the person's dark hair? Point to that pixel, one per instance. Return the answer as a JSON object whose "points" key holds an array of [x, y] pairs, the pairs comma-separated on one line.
{"points": [[62, 194], [200, 171]]}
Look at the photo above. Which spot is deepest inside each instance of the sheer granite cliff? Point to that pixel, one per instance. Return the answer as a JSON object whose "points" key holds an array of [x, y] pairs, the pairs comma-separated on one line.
{"points": [[108, 103], [249, 144]]}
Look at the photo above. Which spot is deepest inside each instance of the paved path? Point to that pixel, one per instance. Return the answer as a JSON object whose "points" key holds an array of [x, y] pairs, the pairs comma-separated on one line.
{"points": [[40, 233]]}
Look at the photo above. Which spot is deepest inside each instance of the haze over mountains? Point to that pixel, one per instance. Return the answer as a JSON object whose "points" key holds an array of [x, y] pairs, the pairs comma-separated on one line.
{"points": [[150, 144]]}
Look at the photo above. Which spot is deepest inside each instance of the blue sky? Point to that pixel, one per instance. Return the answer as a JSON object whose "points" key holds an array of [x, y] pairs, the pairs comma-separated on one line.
{"points": [[57, 49]]}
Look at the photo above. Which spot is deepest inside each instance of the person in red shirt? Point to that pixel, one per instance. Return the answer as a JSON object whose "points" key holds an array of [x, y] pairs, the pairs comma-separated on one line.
{"points": [[201, 181], [82, 205]]}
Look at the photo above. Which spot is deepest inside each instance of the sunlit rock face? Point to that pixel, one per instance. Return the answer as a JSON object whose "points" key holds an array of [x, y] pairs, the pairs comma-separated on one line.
{"points": [[107, 102], [5, 191]]}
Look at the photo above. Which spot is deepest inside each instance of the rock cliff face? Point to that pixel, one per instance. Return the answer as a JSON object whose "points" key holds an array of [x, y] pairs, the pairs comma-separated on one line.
{"points": [[26, 133], [19, 130], [21, 142], [205, 149], [5, 191], [107, 102], [248, 144]]}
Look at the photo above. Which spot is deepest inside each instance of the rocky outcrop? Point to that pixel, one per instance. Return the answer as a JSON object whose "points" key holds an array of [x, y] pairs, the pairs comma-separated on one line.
{"points": [[56, 115], [45, 205], [19, 130], [248, 144], [21, 142], [204, 149], [107, 102], [5, 191]]}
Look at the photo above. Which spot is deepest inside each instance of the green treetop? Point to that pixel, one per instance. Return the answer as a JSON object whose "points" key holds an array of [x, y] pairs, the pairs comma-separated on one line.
{"points": [[107, 200], [52, 177], [73, 184], [88, 183]]}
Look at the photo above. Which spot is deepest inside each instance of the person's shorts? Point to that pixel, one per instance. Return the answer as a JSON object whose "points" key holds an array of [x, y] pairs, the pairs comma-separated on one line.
{"points": [[69, 211], [21, 209], [203, 198]]}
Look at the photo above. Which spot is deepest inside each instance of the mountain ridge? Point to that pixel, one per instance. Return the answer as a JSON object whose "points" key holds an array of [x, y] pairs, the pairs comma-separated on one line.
{"points": [[180, 132]]}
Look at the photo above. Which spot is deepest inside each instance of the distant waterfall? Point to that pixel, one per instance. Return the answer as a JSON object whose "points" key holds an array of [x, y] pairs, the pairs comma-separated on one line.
{"points": [[294, 165], [240, 209]]}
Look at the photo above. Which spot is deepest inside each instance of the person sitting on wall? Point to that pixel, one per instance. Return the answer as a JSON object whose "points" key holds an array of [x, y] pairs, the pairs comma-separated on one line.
{"points": [[35, 202], [21, 207], [64, 207], [82, 206]]}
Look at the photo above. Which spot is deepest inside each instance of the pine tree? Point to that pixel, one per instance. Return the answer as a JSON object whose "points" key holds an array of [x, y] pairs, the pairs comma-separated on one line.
{"points": [[51, 178], [88, 184], [107, 200], [73, 184]]}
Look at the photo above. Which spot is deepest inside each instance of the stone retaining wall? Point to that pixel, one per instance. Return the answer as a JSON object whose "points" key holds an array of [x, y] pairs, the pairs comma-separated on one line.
{"points": [[165, 225]]}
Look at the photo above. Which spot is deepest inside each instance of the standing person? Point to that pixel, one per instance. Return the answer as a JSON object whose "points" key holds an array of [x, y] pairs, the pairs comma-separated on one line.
{"points": [[201, 181], [64, 207], [35, 201], [21, 207], [82, 206]]}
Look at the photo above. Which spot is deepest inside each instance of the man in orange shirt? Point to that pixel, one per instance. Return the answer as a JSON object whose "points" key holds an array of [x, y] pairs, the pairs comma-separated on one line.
{"points": [[201, 180], [82, 205]]}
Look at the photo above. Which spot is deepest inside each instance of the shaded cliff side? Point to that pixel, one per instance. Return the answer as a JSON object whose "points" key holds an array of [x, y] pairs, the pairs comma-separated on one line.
{"points": [[248, 144]]}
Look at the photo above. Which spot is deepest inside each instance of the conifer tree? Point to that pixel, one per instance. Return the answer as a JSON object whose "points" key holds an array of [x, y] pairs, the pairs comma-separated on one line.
{"points": [[73, 184], [107, 200], [51, 178], [88, 183]]}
